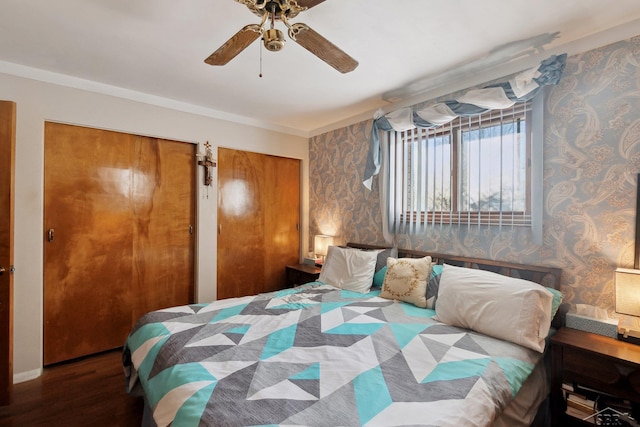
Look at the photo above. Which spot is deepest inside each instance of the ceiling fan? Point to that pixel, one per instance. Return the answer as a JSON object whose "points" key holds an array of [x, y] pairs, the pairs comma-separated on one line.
{"points": [[282, 10]]}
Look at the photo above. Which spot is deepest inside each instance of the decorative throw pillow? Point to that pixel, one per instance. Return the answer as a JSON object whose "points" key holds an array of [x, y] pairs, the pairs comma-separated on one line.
{"points": [[348, 268], [406, 280], [503, 307], [433, 285]]}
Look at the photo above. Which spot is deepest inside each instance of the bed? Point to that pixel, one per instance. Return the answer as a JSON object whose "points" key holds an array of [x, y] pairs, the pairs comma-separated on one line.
{"points": [[335, 353]]}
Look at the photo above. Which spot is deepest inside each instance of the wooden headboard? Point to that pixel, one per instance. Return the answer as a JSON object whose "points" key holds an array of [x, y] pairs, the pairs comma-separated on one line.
{"points": [[547, 276]]}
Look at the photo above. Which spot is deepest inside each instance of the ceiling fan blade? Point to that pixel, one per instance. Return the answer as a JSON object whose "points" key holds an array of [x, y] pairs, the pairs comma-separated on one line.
{"points": [[322, 48], [236, 44], [309, 3]]}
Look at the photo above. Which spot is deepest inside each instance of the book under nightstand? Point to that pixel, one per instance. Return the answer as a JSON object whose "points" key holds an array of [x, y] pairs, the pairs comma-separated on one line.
{"points": [[589, 373]]}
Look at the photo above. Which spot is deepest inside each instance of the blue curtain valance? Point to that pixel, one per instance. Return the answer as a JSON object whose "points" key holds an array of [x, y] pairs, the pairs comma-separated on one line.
{"points": [[522, 87]]}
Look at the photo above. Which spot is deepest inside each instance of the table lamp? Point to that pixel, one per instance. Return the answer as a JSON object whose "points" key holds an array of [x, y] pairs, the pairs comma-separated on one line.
{"points": [[321, 243], [628, 303]]}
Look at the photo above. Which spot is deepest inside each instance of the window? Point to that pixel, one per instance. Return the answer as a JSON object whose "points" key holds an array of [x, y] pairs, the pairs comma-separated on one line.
{"points": [[474, 170]]}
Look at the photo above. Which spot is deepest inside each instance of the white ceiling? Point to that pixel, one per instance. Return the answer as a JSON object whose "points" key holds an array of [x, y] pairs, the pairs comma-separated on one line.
{"points": [[153, 50]]}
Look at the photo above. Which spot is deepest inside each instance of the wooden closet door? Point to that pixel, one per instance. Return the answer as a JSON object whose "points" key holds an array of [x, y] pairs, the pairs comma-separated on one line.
{"points": [[7, 202], [121, 210], [258, 218], [282, 219], [164, 217], [240, 223], [88, 247]]}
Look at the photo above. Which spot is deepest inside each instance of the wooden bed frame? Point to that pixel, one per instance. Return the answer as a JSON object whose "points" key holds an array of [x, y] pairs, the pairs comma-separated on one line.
{"points": [[547, 276]]}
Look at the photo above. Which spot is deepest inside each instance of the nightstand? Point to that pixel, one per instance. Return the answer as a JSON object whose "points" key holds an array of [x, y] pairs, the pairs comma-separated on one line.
{"points": [[299, 274], [593, 362]]}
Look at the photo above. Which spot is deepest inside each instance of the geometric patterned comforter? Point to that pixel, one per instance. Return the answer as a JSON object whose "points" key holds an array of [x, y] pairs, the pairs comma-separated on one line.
{"points": [[318, 356]]}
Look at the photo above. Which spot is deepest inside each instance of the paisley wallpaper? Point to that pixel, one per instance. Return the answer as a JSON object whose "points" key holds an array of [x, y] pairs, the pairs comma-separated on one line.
{"points": [[591, 162]]}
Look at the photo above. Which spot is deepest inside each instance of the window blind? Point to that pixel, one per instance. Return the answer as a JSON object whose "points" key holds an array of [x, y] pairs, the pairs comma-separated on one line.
{"points": [[472, 170]]}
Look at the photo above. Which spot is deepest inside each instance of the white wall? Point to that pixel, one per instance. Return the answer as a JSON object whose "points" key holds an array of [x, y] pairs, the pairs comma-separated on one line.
{"points": [[38, 102]]}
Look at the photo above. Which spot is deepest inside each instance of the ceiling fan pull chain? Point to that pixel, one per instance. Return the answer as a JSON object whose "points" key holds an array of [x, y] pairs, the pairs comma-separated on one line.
{"points": [[260, 75]]}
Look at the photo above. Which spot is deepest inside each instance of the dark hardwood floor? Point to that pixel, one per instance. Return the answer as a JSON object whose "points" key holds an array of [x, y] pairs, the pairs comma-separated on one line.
{"points": [[85, 392]]}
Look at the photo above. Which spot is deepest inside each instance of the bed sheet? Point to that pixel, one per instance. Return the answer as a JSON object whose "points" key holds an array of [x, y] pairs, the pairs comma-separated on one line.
{"points": [[319, 356], [523, 409]]}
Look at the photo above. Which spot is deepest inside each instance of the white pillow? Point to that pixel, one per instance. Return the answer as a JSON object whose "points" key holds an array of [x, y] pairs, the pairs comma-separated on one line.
{"points": [[348, 268], [406, 280], [504, 307]]}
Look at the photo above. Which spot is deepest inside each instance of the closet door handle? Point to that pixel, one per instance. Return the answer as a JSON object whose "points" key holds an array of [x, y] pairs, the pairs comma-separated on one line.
{"points": [[50, 235], [219, 228]]}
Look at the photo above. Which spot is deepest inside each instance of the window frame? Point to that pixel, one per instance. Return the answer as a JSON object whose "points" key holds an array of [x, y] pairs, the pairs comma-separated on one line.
{"points": [[523, 111]]}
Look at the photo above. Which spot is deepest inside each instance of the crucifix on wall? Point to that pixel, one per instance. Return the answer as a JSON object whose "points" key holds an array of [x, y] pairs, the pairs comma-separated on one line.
{"points": [[208, 163]]}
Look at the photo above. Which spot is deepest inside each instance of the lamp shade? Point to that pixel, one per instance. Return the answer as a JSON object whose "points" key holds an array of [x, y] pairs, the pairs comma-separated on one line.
{"points": [[628, 291], [321, 244]]}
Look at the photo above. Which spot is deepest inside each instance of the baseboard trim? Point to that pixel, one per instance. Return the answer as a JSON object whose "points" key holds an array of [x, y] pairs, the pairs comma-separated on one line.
{"points": [[26, 376]]}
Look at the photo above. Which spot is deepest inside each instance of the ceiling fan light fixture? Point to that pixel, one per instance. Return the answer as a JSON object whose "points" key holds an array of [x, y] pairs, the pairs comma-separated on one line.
{"points": [[273, 39]]}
